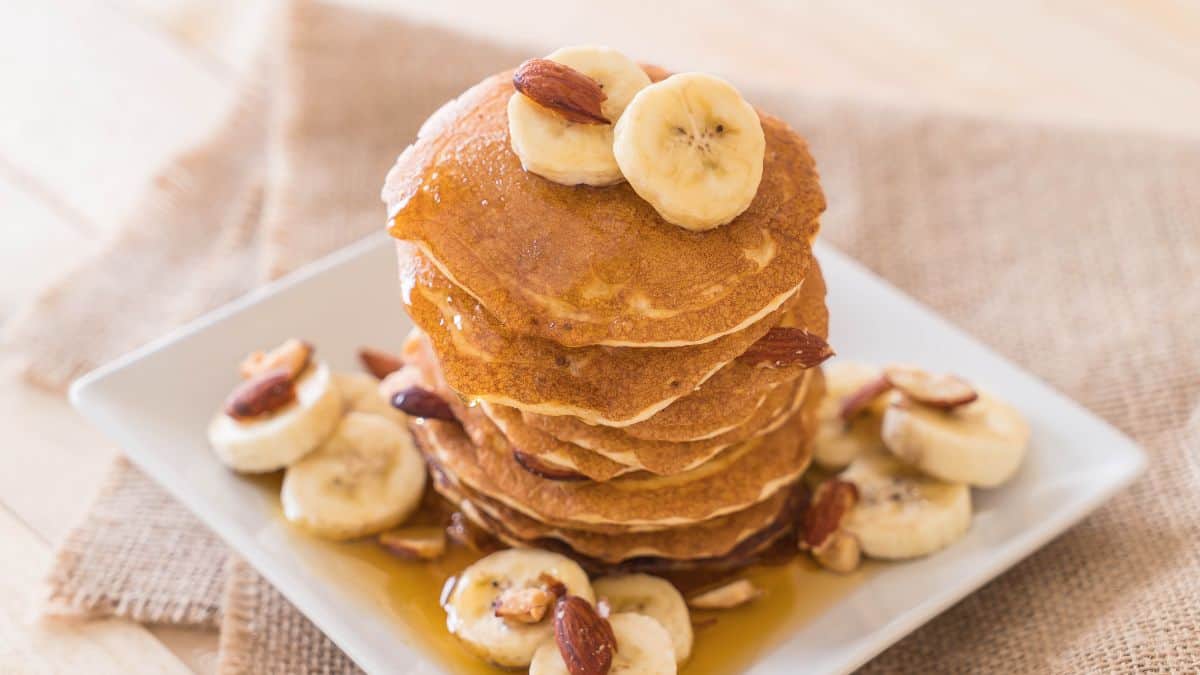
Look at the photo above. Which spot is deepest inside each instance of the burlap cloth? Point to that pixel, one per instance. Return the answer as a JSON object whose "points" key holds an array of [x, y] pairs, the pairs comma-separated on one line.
{"points": [[1074, 253]]}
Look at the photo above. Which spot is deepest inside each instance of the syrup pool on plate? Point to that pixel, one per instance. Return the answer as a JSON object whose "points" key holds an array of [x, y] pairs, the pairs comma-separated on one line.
{"points": [[727, 641]]}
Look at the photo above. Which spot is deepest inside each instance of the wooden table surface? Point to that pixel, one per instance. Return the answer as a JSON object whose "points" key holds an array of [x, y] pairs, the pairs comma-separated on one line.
{"points": [[97, 94]]}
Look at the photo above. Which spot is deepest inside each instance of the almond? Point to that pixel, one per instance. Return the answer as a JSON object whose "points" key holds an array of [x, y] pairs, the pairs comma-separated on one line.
{"points": [[523, 605], [572, 95], [783, 346], [821, 526], [545, 470], [261, 395], [584, 638], [937, 391], [415, 543], [420, 402], [378, 362], [857, 402], [293, 356], [726, 596]]}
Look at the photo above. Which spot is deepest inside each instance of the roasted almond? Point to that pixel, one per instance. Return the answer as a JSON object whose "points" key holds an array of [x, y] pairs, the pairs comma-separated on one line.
{"points": [[726, 596], [862, 397], [936, 391], [821, 530], [293, 356], [783, 346], [420, 402], [569, 93], [584, 638], [261, 395], [378, 362], [545, 470], [415, 543], [523, 605]]}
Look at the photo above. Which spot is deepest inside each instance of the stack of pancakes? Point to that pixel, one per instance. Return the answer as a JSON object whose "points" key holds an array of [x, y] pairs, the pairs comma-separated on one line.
{"points": [[595, 355]]}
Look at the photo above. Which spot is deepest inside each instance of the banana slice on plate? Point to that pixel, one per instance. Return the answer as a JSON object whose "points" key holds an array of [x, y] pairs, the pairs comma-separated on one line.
{"points": [[643, 648], [692, 147], [271, 441], [367, 477], [568, 152], [361, 392], [655, 597], [524, 580], [841, 437], [980, 443], [901, 513]]}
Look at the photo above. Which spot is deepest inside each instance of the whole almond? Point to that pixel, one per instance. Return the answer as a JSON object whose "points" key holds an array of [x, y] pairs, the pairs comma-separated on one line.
{"points": [[420, 402], [830, 505], [541, 469], [572, 95], [862, 397], [584, 638], [783, 346], [378, 362], [937, 391], [261, 395]]}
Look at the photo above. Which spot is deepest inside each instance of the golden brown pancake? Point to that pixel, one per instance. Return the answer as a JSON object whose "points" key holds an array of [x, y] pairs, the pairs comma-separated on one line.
{"points": [[583, 265], [739, 477], [723, 402], [708, 539], [659, 457], [482, 360]]}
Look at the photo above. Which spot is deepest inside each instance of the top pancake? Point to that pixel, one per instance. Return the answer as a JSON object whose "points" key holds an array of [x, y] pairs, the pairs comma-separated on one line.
{"points": [[583, 265]]}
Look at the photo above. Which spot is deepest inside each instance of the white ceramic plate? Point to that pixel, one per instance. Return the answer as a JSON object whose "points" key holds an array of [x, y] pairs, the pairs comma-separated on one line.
{"points": [[157, 401]]}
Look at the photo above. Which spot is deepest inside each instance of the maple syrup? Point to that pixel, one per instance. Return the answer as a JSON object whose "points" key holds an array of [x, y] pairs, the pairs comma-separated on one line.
{"points": [[795, 591]]}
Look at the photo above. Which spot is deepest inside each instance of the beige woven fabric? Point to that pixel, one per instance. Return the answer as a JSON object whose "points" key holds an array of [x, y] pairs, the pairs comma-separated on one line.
{"points": [[1076, 254]]}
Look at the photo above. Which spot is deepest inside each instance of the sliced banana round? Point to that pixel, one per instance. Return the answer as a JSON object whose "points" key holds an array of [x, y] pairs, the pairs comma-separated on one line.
{"points": [[567, 152], [361, 392], [643, 648], [367, 477], [692, 147], [981, 443], [838, 440], [275, 440], [655, 597], [481, 588], [901, 513]]}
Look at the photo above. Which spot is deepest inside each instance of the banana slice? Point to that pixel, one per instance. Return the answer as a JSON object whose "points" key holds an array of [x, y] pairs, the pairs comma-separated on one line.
{"points": [[271, 442], [361, 392], [471, 608], [567, 152], [838, 440], [364, 479], [902, 513], [692, 147], [656, 598], [643, 648], [980, 443]]}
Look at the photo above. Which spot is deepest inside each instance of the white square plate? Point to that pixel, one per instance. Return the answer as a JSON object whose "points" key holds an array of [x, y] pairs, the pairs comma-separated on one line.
{"points": [[157, 401]]}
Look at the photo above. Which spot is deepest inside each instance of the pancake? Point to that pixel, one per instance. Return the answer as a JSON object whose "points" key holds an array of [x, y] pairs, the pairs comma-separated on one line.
{"points": [[581, 265], [739, 477], [659, 457], [725, 401], [708, 539], [613, 386]]}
